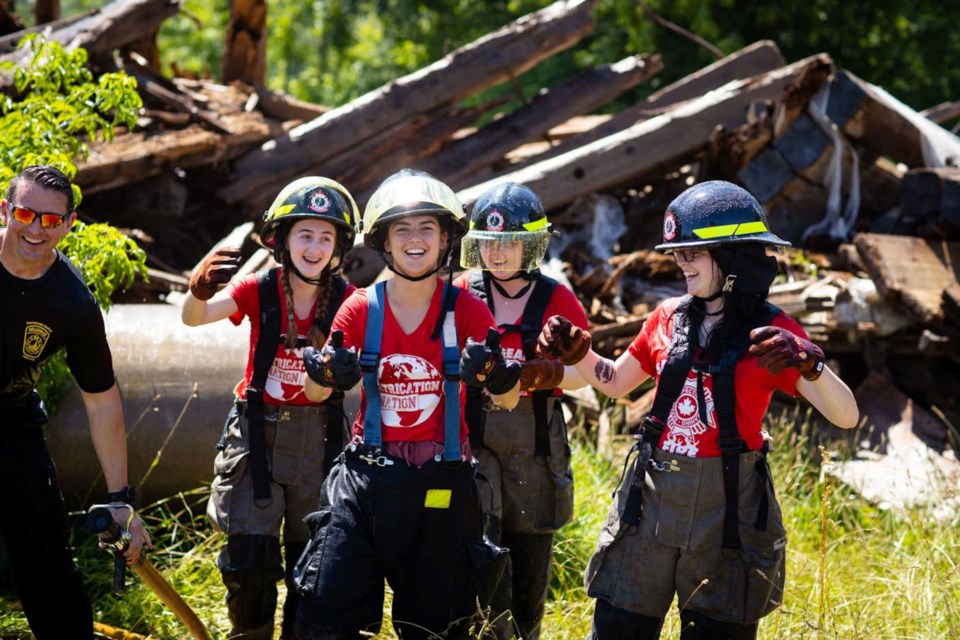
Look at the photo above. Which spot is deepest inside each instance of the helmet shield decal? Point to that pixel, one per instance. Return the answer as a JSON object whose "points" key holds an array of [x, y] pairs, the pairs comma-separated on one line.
{"points": [[508, 251]]}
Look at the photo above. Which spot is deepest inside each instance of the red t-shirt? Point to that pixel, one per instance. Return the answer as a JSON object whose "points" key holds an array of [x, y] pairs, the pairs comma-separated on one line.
{"points": [[685, 434], [411, 365], [562, 303], [285, 379]]}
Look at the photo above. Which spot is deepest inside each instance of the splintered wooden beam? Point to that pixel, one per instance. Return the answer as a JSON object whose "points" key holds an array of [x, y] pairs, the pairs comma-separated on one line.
{"points": [[245, 54], [494, 58], [879, 123], [677, 134], [588, 90], [753, 60], [913, 270], [117, 25]]}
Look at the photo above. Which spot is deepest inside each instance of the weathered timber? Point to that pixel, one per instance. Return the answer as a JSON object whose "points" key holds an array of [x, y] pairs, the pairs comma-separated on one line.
{"points": [[933, 194], [117, 25], [912, 270], [12, 36], [878, 123], [680, 133], [245, 55], [284, 107], [942, 112], [588, 90], [756, 59], [498, 56]]}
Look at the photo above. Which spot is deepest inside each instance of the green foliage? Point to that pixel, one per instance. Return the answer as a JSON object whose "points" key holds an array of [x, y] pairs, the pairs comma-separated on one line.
{"points": [[60, 108]]}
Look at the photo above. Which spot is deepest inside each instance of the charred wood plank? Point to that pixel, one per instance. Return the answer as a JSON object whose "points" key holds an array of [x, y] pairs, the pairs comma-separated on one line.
{"points": [[280, 106], [678, 134], [494, 58]]}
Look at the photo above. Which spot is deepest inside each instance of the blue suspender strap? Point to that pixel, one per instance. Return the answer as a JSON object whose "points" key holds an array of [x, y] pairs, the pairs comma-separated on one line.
{"points": [[369, 360], [451, 378]]}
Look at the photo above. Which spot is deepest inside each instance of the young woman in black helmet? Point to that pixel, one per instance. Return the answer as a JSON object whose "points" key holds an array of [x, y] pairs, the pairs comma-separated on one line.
{"points": [[696, 516], [277, 442], [401, 504], [523, 455]]}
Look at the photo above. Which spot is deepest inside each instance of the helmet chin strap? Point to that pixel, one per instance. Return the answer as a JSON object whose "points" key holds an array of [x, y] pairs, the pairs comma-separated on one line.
{"points": [[401, 274], [519, 274], [288, 262]]}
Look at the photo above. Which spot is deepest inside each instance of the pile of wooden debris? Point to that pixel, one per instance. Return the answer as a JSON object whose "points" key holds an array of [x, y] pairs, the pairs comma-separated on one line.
{"points": [[868, 188]]}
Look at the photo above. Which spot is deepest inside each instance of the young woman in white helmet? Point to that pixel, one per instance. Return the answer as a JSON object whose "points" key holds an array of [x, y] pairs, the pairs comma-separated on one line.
{"points": [[277, 443], [401, 503], [696, 516]]}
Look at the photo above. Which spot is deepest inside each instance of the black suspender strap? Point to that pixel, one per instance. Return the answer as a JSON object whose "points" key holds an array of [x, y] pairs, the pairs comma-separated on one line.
{"points": [[263, 355], [336, 417]]}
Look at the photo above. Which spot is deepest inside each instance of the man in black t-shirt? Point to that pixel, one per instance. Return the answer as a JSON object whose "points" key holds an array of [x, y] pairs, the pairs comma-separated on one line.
{"points": [[46, 305]]}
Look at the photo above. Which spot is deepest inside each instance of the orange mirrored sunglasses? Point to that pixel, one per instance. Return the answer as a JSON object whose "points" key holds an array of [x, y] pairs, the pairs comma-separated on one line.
{"points": [[26, 217]]}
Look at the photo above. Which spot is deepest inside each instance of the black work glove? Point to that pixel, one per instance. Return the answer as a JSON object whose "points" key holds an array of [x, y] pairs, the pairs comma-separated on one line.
{"points": [[333, 366], [215, 271], [777, 349], [482, 365]]}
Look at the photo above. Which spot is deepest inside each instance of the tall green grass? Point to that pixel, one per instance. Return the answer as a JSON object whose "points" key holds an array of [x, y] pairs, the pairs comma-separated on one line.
{"points": [[854, 571]]}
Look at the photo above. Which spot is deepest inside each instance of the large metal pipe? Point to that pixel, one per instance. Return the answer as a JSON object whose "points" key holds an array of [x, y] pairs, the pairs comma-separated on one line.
{"points": [[177, 385]]}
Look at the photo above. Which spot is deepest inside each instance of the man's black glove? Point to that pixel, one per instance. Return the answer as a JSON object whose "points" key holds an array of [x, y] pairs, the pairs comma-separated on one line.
{"points": [[333, 366], [482, 365]]}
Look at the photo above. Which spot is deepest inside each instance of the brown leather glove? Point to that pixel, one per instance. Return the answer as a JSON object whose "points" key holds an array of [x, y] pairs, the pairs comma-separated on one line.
{"points": [[215, 270], [540, 374], [777, 349], [561, 338]]}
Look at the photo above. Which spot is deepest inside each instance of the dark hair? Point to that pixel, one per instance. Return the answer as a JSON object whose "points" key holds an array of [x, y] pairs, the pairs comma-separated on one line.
{"points": [[46, 177]]}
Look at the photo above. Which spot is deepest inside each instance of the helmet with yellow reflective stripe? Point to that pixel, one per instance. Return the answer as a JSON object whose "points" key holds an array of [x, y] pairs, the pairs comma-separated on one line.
{"points": [[310, 197], [409, 192], [715, 213], [508, 230]]}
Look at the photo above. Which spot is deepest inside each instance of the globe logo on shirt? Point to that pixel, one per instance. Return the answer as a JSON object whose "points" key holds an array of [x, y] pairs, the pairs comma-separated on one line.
{"points": [[410, 390]]}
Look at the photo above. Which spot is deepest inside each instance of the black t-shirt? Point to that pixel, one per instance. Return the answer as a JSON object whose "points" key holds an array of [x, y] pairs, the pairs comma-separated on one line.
{"points": [[40, 316]]}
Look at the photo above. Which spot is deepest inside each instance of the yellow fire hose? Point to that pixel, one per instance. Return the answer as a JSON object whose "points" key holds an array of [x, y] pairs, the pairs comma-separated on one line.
{"points": [[115, 633], [100, 521]]}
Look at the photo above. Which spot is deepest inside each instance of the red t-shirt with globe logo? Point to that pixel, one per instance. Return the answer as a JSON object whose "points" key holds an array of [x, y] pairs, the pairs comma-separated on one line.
{"points": [[285, 379], [410, 372], [685, 433]]}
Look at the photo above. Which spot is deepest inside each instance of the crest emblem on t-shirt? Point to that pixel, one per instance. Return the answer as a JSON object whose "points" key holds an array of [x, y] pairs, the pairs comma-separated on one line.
{"points": [[285, 378], [684, 427], [410, 390], [35, 337]]}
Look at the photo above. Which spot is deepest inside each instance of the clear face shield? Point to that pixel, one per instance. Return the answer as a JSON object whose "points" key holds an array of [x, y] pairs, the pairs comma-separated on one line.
{"points": [[503, 251]]}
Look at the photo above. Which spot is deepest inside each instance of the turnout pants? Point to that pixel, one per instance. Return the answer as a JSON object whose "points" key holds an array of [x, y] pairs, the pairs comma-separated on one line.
{"points": [[36, 530], [417, 527], [676, 550], [525, 498], [250, 563]]}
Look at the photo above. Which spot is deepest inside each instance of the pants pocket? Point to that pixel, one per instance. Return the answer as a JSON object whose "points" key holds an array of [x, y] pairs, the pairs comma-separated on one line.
{"points": [[288, 452], [487, 562], [306, 571], [561, 473], [229, 467]]}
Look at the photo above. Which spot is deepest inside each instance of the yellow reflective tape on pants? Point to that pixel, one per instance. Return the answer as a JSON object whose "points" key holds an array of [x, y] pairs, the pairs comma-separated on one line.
{"points": [[438, 499], [729, 230]]}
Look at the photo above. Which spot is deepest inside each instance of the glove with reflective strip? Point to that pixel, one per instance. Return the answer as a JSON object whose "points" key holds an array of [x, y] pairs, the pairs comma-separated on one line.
{"points": [[482, 365], [333, 366], [540, 374], [561, 338], [777, 349], [215, 270]]}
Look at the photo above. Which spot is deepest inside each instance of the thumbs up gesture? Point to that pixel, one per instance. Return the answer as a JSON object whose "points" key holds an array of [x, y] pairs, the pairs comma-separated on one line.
{"points": [[482, 365]]}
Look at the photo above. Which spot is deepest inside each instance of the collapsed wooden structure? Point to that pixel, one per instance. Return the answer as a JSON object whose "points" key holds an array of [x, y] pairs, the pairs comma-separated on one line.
{"points": [[867, 186]]}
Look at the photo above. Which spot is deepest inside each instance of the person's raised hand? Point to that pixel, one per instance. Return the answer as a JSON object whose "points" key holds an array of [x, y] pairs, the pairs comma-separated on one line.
{"points": [[482, 365], [333, 366], [561, 338], [777, 349], [215, 271]]}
